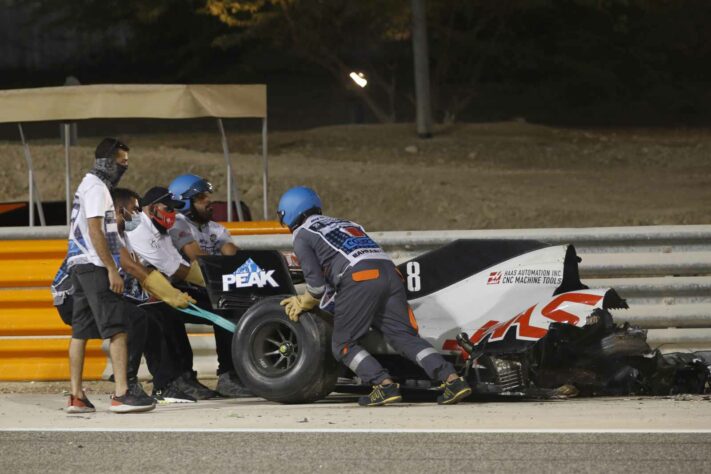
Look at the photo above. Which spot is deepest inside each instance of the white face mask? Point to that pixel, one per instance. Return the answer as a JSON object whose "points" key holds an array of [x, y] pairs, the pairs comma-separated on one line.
{"points": [[132, 224]]}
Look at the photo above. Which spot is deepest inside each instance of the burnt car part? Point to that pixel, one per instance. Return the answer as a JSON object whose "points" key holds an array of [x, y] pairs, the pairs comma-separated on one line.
{"points": [[600, 358]]}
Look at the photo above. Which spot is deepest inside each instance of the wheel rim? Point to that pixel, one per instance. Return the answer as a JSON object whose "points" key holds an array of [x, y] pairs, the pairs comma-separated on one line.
{"points": [[275, 349]]}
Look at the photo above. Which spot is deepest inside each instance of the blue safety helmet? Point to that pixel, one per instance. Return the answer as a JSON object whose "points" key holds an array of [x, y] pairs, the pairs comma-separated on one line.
{"points": [[296, 204], [187, 186]]}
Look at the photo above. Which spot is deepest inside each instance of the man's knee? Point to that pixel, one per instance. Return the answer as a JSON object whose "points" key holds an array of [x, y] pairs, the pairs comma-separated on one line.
{"points": [[339, 350], [118, 337]]}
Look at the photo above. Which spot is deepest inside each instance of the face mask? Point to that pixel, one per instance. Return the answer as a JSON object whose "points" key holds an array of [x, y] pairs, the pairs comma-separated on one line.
{"points": [[164, 219], [108, 170], [132, 224]]}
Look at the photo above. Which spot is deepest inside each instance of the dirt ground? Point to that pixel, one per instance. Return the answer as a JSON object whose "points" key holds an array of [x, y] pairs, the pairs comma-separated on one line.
{"points": [[468, 176]]}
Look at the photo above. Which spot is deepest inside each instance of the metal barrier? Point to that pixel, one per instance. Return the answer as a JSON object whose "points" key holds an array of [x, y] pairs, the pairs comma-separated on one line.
{"points": [[664, 272]]}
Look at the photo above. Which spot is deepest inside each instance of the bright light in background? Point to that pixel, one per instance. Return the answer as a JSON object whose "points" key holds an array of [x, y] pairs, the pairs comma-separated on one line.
{"points": [[359, 78]]}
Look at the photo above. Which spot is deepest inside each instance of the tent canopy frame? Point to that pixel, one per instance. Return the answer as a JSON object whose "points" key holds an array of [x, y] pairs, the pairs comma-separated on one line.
{"points": [[162, 101]]}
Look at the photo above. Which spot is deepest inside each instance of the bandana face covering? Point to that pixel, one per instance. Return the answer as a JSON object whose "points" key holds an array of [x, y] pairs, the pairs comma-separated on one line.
{"points": [[108, 171]]}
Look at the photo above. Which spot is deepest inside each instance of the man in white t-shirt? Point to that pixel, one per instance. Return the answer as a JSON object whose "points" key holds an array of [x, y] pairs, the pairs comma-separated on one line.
{"points": [[153, 246], [195, 234], [145, 316], [93, 259]]}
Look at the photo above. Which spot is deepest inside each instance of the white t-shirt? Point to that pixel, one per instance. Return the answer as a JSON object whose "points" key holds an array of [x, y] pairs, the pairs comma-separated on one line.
{"points": [[210, 237], [92, 199], [155, 249]]}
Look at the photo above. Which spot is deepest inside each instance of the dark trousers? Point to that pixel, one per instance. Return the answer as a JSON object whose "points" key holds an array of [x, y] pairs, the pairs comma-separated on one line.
{"points": [[372, 294], [170, 354]]}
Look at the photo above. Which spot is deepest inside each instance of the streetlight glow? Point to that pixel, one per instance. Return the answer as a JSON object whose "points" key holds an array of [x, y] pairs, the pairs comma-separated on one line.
{"points": [[359, 78]]}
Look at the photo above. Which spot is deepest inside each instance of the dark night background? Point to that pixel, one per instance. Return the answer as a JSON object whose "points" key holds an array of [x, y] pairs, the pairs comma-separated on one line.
{"points": [[563, 62]]}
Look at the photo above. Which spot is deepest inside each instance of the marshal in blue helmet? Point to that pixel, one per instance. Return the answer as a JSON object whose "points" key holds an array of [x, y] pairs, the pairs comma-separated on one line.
{"points": [[185, 188], [296, 205], [195, 234], [343, 264]]}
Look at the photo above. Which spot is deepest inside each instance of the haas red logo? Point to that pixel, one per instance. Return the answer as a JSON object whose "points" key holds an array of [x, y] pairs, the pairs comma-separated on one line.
{"points": [[522, 325], [353, 231], [494, 278]]}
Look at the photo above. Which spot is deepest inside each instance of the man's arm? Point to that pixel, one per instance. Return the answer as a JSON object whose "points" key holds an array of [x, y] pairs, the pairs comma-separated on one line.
{"points": [[181, 273], [132, 267], [192, 250], [191, 274], [158, 253], [315, 281], [98, 240], [229, 249], [313, 274], [154, 282]]}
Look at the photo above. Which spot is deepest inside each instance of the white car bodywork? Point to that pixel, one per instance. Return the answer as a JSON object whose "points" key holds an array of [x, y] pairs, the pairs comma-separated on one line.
{"points": [[514, 295]]}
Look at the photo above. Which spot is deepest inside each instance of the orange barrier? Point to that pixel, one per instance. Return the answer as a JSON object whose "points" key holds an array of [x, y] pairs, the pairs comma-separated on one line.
{"points": [[32, 322], [28, 273], [255, 228], [26, 298], [32, 249], [46, 359], [30, 348]]}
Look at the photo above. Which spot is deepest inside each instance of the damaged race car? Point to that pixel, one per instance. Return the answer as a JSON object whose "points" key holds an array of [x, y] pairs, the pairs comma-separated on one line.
{"points": [[512, 315]]}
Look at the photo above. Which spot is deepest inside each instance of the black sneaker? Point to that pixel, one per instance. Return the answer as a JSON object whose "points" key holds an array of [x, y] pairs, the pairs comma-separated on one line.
{"points": [[171, 394], [230, 386], [129, 403], [189, 385], [381, 395], [136, 389], [454, 392]]}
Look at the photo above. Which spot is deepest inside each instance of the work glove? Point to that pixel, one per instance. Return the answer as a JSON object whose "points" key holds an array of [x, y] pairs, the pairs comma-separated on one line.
{"points": [[159, 286], [195, 275], [295, 305]]}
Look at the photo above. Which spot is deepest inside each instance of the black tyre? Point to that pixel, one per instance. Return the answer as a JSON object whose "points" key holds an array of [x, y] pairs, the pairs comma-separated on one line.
{"points": [[284, 361]]}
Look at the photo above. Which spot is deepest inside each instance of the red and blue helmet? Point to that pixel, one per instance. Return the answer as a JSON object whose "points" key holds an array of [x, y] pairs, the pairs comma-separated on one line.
{"points": [[187, 186]]}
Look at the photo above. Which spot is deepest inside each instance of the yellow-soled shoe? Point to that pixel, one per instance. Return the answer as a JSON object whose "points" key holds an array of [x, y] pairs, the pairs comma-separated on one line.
{"points": [[454, 392], [381, 395]]}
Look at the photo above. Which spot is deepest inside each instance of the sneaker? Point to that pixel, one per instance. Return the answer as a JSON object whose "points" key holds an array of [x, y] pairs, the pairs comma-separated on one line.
{"points": [[230, 386], [79, 405], [171, 394], [136, 389], [381, 395], [189, 385], [454, 392], [129, 403]]}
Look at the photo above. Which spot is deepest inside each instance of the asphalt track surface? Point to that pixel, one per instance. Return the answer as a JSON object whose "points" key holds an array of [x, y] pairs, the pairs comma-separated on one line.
{"points": [[353, 452], [252, 435]]}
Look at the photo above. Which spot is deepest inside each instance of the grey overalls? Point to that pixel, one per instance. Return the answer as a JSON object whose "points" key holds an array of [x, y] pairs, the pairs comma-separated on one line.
{"points": [[369, 292]]}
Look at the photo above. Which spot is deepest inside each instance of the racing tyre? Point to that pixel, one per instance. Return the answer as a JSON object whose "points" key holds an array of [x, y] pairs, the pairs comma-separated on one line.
{"points": [[283, 361]]}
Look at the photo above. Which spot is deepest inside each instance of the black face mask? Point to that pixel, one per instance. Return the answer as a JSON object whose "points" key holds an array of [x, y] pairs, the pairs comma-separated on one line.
{"points": [[108, 171]]}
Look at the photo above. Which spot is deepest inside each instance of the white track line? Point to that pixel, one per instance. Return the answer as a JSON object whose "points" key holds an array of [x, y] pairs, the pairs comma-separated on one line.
{"points": [[357, 430]]}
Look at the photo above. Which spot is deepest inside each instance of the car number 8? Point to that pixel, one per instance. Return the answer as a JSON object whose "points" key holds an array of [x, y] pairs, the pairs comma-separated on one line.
{"points": [[413, 276]]}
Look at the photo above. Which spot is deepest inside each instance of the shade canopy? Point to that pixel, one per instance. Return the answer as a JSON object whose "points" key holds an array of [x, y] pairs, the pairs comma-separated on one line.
{"points": [[161, 101]]}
